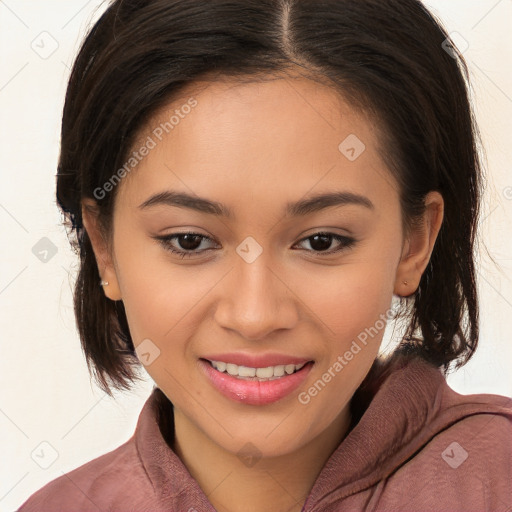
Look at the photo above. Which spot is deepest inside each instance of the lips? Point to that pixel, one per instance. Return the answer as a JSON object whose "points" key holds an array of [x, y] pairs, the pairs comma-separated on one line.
{"points": [[254, 390]]}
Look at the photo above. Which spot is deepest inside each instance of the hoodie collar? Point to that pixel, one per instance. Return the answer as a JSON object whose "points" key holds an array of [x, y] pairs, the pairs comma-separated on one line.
{"points": [[170, 479], [406, 401]]}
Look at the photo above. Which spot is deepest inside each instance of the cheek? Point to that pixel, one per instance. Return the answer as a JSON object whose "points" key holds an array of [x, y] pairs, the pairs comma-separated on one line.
{"points": [[163, 306], [160, 298], [349, 298]]}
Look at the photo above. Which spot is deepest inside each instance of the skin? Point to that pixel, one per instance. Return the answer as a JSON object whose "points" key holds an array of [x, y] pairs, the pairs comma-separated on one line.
{"points": [[254, 147]]}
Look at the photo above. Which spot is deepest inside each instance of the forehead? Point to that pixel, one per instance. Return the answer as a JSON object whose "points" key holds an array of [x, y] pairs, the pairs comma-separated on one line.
{"points": [[279, 136]]}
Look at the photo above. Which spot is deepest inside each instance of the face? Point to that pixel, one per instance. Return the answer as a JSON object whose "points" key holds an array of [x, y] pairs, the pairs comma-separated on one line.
{"points": [[267, 276]]}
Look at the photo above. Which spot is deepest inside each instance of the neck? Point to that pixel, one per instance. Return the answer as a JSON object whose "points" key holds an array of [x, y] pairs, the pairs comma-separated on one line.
{"points": [[272, 483]]}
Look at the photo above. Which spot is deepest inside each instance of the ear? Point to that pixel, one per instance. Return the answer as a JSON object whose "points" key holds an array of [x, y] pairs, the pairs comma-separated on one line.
{"points": [[101, 250], [419, 245]]}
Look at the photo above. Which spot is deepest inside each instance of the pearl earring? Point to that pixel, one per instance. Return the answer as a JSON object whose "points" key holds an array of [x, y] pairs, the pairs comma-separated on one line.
{"points": [[103, 283]]}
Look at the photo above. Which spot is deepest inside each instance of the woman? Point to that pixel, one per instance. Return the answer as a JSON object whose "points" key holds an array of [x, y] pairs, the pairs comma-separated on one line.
{"points": [[251, 184]]}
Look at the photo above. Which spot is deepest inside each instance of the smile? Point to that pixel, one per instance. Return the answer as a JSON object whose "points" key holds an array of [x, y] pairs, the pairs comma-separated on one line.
{"points": [[255, 385]]}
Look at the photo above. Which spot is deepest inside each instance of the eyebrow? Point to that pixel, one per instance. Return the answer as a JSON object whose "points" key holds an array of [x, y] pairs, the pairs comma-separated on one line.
{"points": [[294, 209]]}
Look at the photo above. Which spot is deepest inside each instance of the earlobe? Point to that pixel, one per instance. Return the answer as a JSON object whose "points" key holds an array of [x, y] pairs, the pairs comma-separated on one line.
{"points": [[419, 246], [102, 254]]}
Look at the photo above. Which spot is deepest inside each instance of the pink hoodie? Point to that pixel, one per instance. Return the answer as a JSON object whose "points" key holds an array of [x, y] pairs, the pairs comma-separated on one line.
{"points": [[419, 446]]}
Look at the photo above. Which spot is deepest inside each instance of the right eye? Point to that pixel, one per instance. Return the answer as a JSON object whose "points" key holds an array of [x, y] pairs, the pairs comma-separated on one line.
{"points": [[183, 244]]}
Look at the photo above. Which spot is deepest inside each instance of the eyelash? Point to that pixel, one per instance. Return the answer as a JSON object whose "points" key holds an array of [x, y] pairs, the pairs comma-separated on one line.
{"points": [[347, 243]]}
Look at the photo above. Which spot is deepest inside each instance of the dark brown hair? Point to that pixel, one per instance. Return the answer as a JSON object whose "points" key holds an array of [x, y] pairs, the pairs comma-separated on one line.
{"points": [[390, 58]]}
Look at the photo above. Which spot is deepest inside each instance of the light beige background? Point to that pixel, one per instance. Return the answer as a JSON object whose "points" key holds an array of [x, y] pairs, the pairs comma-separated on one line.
{"points": [[46, 394]]}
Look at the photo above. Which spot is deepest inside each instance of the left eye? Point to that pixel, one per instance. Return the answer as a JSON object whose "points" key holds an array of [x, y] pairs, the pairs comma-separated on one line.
{"points": [[189, 243], [320, 242]]}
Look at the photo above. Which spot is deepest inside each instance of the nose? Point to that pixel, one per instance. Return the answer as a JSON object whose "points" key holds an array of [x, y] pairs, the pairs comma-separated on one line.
{"points": [[256, 300]]}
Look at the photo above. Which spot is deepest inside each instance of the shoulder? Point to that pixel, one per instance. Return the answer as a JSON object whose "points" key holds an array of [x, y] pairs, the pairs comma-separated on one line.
{"points": [[480, 434], [466, 456], [110, 478], [482, 421]]}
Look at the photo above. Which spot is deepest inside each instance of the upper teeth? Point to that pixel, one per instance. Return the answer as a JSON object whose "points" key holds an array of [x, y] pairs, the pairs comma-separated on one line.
{"points": [[262, 373]]}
